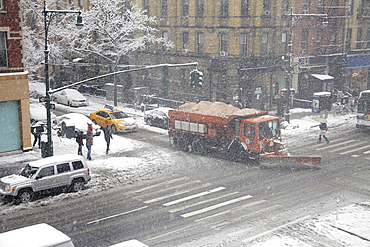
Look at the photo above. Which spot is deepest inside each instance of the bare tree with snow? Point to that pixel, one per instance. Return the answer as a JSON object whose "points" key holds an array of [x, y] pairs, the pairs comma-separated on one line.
{"points": [[112, 30]]}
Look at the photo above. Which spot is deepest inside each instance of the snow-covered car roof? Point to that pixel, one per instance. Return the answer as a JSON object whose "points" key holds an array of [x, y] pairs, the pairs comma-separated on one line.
{"points": [[73, 93], [55, 159], [76, 119], [35, 235], [162, 109], [38, 112]]}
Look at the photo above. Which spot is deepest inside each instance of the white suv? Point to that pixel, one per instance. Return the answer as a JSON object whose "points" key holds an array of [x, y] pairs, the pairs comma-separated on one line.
{"points": [[69, 171]]}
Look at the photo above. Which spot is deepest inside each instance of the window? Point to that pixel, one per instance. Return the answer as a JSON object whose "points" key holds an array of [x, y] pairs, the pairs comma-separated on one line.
{"points": [[63, 168], [164, 11], [268, 129], [3, 50], [306, 6], [2, 5], [224, 8], [368, 39], [320, 6], [359, 38], [286, 7], [77, 165], [244, 7], [164, 36], [185, 41], [223, 44], [304, 41], [146, 6], [265, 42], [266, 6], [46, 171], [184, 8], [200, 43], [243, 44], [318, 40], [103, 114], [284, 44], [249, 130], [200, 8]]}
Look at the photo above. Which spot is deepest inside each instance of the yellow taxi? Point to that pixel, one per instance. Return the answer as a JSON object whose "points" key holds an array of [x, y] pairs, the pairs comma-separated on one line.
{"points": [[117, 120]]}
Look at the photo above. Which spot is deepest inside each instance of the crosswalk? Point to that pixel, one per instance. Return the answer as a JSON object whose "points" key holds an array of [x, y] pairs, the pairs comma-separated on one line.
{"points": [[202, 202], [354, 147]]}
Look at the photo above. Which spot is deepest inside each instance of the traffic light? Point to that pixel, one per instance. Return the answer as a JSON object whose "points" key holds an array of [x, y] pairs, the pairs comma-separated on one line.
{"points": [[196, 78]]}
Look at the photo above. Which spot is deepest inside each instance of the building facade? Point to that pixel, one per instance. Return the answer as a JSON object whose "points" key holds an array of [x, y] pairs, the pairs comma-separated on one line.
{"points": [[14, 94], [250, 50]]}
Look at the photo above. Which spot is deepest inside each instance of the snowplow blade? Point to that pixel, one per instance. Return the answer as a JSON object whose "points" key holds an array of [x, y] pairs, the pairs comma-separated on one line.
{"points": [[290, 161]]}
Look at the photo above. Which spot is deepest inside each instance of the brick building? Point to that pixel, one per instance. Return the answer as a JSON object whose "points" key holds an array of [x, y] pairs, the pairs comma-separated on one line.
{"points": [[14, 94], [242, 47]]}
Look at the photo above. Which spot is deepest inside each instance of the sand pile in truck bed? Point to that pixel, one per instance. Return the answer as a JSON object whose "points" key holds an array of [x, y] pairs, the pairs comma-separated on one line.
{"points": [[217, 109]]}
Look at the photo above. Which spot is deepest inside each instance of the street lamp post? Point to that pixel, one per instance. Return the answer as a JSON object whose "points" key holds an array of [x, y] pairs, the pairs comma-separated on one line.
{"points": [[47, 148]]}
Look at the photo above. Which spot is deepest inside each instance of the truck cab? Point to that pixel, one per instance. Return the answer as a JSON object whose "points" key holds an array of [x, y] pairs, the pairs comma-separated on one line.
{"points": [[261, 133]]}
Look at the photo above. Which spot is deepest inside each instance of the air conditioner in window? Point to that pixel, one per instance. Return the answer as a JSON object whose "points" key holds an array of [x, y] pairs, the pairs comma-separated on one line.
{"points": [[223, 53], [184, 50]]}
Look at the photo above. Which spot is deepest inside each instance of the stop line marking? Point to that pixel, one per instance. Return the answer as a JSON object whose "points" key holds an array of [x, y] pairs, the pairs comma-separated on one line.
{"points": [[193, 196], [200, 211]]}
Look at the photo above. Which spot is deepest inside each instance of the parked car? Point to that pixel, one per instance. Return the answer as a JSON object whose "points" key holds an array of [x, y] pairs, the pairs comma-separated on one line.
{"points": [[70, 122], [38, 113], [35, 236], [69, 171], [70, 97], [157, 117], [117, 120]]}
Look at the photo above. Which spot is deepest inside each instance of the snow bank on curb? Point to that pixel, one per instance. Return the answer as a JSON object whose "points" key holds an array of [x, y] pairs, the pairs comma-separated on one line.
{"points": [[348, 226]]}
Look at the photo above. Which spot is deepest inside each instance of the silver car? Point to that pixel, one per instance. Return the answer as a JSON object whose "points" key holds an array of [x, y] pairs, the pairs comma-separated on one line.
{"points": [[70, 97], [68, 171]]}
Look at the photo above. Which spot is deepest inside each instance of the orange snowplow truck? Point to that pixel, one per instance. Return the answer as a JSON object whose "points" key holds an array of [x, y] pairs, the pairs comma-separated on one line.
{"points": [[239, 133]]}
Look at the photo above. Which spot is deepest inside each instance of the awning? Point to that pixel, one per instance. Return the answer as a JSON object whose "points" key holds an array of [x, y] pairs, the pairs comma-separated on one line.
{"points": [[322, 77]]}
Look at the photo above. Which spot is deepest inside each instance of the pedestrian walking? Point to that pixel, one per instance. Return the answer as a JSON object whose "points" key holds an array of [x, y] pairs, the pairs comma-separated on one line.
{"points": [[79, 139], [323, 129], [107, 136], [89, 140], [36, 130]]}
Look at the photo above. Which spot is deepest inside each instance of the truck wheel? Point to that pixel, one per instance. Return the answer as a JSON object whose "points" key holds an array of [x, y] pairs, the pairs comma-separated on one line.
{"points": [[236, 152], [77, 185], [25, 195], [196, 147]]}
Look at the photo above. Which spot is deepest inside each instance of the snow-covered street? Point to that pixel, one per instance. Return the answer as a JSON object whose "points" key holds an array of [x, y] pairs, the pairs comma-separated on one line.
{"points": [[348, 226]]}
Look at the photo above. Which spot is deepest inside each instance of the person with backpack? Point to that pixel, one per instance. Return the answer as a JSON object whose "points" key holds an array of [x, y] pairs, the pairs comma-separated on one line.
{"points": [[79, 138], [323, 129]]}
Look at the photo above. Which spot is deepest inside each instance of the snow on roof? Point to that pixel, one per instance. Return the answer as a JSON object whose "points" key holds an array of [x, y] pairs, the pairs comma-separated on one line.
{"points": [[322, 77], [55, 159], [40, 235]]}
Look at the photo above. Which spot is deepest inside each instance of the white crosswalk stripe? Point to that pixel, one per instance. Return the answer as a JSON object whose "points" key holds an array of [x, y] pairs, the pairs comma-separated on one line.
{"points": [[222, 204], [193, 196]]}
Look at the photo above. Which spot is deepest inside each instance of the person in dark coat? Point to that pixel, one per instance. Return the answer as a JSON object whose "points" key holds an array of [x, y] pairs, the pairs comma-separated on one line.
{"points": [[107, 136], [89, 140], [36, 130], [323, 128], [79, 139]]}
